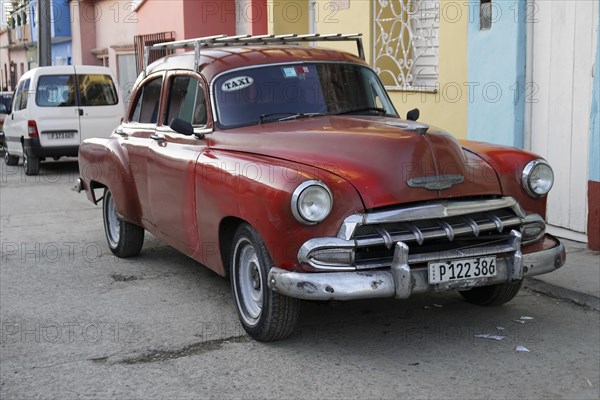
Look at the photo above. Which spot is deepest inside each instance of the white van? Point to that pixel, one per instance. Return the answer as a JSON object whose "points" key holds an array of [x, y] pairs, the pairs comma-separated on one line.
{"points": [[55, 108]]}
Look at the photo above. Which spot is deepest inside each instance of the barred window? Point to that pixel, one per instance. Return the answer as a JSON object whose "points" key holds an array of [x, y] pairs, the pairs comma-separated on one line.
{"points": [[406, 43]]}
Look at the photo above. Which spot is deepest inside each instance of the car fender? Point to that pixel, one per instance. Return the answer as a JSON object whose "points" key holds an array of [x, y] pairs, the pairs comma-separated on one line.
{"points": [[258, 190], [509, 162], [105, 163]]}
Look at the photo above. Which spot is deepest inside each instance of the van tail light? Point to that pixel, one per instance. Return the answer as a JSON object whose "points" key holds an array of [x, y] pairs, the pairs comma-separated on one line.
{"points": [[32, 130]]}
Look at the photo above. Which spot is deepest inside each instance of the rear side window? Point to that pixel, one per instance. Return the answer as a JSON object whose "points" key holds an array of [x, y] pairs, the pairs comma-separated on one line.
{"points": [[186, 101], [62, 91], [146, 103], [55, 91], [21, 95], [96, 90]]}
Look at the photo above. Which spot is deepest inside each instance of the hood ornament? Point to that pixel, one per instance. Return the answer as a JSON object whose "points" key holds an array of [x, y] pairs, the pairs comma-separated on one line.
{"points": [[436, 182]]}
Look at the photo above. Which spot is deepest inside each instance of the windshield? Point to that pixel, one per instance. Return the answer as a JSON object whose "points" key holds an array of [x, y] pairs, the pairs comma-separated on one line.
{"points": [[283, 92]]}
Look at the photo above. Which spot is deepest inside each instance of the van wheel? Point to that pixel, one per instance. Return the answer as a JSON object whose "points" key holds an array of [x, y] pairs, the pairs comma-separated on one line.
{"points": [[264, 314], [31, 163], [8, 159], [124, 239]]}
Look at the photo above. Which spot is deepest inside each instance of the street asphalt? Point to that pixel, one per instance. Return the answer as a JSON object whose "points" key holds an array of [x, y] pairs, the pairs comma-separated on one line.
{"points": [[78, 323]]}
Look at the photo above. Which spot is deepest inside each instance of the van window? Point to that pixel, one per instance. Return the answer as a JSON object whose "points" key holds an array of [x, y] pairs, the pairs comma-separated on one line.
{"points": [[146, 104], [186, 101], [20, 102], [17, 100], [96, 90], [55, 91], [60, 91]]}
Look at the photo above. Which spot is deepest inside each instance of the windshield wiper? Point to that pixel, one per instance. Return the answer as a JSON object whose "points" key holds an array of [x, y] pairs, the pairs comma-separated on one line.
{"points": [[362, 109], [292, 115]]}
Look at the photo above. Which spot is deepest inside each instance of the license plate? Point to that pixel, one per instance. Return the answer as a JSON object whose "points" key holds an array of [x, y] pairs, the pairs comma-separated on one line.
{"points": [[62, 135], [466, 268]]}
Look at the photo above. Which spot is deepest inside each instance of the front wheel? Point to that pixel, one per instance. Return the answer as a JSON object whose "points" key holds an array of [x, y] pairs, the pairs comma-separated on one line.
{"points": [[124, 239], [266, 316], [493, 295]]}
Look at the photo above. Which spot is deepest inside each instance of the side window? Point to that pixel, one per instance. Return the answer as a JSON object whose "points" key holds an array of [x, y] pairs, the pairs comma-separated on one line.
{"points": [[186, 101], [146, 106], [55, 91], [25, 94], [96, 90], [17, 100]]}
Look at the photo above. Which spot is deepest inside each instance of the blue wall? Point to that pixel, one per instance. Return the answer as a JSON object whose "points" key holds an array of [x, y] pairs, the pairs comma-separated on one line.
{"points": [[595, 120], [62, 50], [496, 71], [60, 21]]}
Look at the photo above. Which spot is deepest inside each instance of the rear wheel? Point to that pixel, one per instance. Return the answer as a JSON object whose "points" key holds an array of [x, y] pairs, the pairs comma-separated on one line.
{"points": [[31, 163], [493, 295], [264, 314], [8, 159], [124, 239]]}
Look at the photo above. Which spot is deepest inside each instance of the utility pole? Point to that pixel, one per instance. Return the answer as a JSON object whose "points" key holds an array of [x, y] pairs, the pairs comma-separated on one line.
{"points": [[44, 33]]}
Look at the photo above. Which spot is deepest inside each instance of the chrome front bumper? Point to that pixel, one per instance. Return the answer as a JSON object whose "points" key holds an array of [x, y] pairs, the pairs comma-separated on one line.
{"points": [[401, 281]]}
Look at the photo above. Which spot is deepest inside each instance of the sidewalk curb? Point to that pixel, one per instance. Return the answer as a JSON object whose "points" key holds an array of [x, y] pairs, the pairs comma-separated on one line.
{"points": [[582, 299]]}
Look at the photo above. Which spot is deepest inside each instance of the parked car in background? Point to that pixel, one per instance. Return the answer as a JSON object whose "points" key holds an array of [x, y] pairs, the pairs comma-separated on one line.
{"points": [[288, 169], [5, 100], [55, 109]]}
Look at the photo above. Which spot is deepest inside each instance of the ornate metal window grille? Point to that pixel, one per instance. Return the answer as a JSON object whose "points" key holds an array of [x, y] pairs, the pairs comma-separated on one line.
{"points": [[406, 43]]}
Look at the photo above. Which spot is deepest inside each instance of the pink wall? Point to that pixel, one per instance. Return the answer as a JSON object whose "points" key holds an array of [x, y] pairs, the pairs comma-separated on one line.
{"points": [[83, 32], [207, 18], [4, 60], [156, 16], [117, 24]]}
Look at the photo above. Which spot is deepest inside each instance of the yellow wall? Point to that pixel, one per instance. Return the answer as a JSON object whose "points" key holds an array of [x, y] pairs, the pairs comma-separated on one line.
{"points": [[288, 16], [446, 109]]}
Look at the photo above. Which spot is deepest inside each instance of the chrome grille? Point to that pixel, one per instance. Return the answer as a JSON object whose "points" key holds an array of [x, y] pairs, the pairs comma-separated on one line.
{"points": [[433, 239], [431, 231]]}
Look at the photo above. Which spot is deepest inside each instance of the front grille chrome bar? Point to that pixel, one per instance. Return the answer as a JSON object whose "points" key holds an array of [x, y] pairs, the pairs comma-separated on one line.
{"points": [[439, 231], [427, 211]]}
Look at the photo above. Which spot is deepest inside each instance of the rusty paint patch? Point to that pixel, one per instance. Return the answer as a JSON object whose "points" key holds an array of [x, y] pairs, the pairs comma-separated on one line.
{"points": [[307, 287], [376, 284]]}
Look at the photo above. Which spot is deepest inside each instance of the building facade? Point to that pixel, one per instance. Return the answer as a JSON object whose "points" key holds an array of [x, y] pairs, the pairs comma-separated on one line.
{"points": [[19, 37], [103, 34], [536, 59]]}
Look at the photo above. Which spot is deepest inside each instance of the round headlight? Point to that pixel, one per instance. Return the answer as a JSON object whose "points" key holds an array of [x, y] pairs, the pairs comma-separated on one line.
{"points": [[311, 202], [538, 178]]}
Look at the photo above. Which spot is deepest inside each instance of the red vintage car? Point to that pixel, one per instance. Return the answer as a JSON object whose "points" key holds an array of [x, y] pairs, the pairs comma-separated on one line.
{"points": [[288, 169]]}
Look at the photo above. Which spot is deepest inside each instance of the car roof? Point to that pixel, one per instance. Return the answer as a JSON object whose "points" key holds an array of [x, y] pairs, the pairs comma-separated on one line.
{"points": [[216, 60]]}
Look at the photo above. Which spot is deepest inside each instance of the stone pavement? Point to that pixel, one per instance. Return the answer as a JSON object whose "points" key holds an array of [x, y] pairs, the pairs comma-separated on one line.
{"points": [[577, 281]]}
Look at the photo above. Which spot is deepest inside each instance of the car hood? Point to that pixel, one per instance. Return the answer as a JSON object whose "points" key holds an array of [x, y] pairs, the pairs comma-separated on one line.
{"points": [[377, 155]]}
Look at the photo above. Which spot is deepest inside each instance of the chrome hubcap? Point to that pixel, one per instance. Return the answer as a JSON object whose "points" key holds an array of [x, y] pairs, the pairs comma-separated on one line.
{"points": [[113, 228], [249, 279]]}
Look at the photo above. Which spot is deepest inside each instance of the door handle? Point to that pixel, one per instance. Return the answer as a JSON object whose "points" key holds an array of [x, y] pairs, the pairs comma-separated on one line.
{"points": [[81, 112], [157, 136]]}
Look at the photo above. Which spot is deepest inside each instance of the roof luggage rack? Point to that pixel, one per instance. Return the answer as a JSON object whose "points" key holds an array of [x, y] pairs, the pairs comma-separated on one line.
{"points": [[245, 40]]}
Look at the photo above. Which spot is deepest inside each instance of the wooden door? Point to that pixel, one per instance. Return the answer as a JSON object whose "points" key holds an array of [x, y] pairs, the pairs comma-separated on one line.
{"points": [[563, 47]]}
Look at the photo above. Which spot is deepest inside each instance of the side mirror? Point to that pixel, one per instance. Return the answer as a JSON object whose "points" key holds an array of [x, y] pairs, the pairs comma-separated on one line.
{"points": [[181, 126], [413, 114], [3, 109]]}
